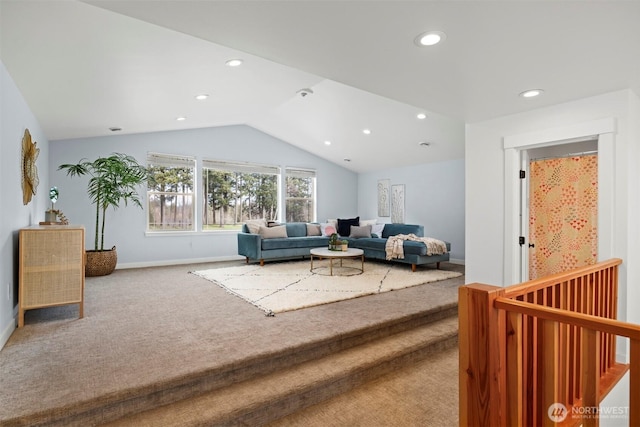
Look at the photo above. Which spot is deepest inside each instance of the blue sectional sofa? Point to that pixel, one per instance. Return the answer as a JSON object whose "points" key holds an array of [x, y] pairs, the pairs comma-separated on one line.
{"points": [[297, 243]]}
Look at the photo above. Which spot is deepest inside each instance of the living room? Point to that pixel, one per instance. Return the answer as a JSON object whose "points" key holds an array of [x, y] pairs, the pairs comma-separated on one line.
{"points": [[462, 199]]}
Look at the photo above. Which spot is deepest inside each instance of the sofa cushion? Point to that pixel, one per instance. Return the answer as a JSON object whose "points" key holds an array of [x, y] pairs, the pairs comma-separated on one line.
{"points": [[278, 231], [395, 229], [254, 225], [296, 229], [344, 225], [359, 232], [410, 247], [295, 242], [313, 230]]}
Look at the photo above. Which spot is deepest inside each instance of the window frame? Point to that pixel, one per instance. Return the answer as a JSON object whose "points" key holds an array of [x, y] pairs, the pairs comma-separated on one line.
{"points": [[174, 161], [230, 166], [298, 172]]}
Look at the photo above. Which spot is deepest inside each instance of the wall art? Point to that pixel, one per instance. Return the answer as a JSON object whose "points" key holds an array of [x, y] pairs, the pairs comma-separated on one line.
{"points": [[383, 197], [397, 204], [29, 169]]}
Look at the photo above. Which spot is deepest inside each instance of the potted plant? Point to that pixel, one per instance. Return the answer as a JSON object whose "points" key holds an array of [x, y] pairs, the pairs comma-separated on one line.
{"points": [[344, 244], [334, 242], [114, 180]]}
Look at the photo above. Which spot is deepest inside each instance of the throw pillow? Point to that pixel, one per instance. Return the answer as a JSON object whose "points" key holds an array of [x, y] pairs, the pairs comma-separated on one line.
{"points": [[377, 229], [278, 231], [367, 222], [327, 229], [344, 225], [254, 225], [313, 230], [360, 231]]}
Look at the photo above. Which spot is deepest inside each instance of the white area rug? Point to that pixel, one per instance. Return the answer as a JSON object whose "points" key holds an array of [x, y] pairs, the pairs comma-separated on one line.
{"points": [[286, 286]]}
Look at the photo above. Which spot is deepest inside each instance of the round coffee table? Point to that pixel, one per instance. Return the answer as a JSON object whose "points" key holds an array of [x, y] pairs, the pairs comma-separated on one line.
{"points": [[350, 253]]}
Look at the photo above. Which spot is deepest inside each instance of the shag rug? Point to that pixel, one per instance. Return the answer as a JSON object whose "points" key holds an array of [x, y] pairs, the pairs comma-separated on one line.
{"points": [[286, 286]]}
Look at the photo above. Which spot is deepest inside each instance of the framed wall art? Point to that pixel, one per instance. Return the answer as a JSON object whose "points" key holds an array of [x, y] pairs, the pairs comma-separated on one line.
{"points": [[383, 197], [397, 204]]}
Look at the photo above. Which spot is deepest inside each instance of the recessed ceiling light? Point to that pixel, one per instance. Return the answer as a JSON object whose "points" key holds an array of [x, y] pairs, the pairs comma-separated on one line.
{"points": [[115, 129], [429, 38], [366, 131], [424, 144], [234, 62], [202, 97], [421, 116], [532, 93], [327, 143], [181, 118]]}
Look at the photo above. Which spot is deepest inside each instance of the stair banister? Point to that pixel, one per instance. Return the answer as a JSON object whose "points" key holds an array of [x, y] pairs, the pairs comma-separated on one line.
{"points": [[545, 341]]}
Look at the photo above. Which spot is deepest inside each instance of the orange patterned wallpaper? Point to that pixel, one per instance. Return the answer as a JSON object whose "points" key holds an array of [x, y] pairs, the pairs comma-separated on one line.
{"points": [[563, 195]]}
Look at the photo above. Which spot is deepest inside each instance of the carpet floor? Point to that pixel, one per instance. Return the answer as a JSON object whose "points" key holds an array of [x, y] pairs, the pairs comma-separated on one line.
{"points": [[142, 326]]}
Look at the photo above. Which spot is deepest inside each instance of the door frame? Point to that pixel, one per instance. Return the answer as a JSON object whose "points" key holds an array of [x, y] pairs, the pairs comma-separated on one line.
{"points": [[604, 130]]}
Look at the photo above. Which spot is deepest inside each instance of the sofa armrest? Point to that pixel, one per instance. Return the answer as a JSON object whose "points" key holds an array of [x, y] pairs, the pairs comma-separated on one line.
{"points": [[250, 245]]}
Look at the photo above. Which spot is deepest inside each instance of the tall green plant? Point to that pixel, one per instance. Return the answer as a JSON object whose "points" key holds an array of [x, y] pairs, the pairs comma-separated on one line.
{"points": [[114, 180]]}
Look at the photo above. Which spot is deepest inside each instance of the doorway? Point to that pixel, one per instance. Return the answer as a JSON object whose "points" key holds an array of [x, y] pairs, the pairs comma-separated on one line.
{"points": [[560, 209]]}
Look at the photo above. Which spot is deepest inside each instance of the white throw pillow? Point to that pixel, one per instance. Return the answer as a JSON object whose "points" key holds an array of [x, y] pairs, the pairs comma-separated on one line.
{"points": [[377, 229], [254, 225], [278, 231], [371, 222]]}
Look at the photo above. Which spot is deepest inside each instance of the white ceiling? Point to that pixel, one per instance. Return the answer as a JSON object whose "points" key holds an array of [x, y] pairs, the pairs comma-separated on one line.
{"points": [[86, 66]]}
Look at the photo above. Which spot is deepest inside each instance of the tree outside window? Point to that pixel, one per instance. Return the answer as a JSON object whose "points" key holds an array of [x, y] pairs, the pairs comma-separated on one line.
{"points": [[170, 192], [300, 195], [236, 192]]}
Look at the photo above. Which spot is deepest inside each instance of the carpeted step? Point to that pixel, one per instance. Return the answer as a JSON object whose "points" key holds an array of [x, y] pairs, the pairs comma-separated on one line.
{"points": [[286, 391], [203, 384]]}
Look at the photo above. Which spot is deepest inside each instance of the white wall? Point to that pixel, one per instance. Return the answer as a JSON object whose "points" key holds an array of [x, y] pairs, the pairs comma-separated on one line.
{"points": [[336, 192], [485, 185], [434, 197], [15, 117]]}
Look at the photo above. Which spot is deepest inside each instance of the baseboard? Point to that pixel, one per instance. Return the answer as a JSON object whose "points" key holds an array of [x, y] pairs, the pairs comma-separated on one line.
{"points": [[457, 261], [7, 331], [122, 266]]}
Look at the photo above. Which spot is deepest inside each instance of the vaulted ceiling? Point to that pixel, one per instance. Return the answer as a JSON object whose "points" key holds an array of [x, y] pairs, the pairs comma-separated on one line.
{"points": [[87, 66]]}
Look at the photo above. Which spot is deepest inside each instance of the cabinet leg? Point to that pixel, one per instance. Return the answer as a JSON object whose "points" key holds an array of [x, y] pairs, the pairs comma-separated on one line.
{"points": [[20, 318]]}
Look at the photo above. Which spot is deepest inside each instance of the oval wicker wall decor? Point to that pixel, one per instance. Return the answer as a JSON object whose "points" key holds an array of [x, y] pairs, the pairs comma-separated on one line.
{"points": [[29, 156]]}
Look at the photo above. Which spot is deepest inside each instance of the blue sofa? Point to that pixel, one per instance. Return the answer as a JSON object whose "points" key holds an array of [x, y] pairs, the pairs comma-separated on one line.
{"points": [[297, 243]]}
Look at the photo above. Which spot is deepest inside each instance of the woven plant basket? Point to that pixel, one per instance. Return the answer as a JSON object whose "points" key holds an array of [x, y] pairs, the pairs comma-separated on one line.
{"points": [[101, 263]]}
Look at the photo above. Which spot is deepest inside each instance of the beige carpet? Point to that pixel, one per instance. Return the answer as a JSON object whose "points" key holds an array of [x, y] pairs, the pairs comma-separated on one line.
{"points": [[285, 286]]}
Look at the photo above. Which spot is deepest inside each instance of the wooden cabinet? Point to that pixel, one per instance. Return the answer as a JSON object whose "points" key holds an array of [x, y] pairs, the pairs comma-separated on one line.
{"points": [[51, 270]]}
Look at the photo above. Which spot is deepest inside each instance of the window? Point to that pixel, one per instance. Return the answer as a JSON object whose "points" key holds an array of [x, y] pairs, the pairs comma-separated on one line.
{"points": [[170, 192], [236, 192], [301, 195]]}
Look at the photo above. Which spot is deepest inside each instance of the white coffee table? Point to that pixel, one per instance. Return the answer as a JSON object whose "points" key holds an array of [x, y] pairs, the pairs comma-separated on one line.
{"points": [[325, 253]]}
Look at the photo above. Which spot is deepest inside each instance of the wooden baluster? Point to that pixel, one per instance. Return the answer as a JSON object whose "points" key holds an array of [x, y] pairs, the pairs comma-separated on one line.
{"points": [[515, 371], [634, 384], [549, 370], [590, 374]]}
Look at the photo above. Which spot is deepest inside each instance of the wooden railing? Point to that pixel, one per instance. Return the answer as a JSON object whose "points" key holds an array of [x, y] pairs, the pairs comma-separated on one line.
{"points": [[547, 343]]}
